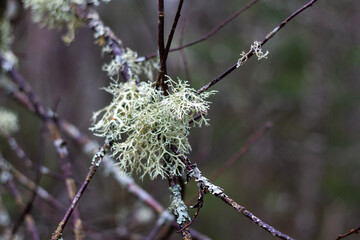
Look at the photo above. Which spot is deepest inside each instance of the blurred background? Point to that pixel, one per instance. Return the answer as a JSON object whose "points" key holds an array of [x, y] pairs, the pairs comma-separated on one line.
{"points": [[301, 176]]}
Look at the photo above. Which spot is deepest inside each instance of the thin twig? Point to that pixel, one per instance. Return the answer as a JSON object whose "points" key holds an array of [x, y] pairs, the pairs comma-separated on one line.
{"points": [[160, 79], [104, 35], [41, 192], [251, 53], [172, 32], [352, 231], [58, 141], [94, 166], [165, 219], [30, 203], [198, 205], [212, 31], [182, 54], [5, 172], [251, 140]]}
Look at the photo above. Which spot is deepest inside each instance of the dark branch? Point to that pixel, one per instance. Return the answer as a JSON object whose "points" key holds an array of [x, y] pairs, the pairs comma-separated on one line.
{"points": [[251, 53], [212, 31], [352, 231], [98, 157]]}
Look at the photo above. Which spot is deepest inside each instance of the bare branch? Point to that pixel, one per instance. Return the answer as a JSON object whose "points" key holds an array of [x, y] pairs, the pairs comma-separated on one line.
{"points": [[212, 31], [251, 53], [252, 139], [98, 157], [351, 232], [57, 140]]}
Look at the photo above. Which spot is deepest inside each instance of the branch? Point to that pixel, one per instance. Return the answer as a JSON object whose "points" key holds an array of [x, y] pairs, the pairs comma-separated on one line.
{"points": [[213, 31], [57, 140], [30, 203], [98, 157], [6, 176], [173, 28], [252, 52], [90, 148], [252, 139], [219, 193], [352, 231], [104, 36]]}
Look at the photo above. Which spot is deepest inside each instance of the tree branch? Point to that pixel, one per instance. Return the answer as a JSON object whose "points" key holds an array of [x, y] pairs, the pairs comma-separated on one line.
{"points": [[212, 31], [251, 53]]}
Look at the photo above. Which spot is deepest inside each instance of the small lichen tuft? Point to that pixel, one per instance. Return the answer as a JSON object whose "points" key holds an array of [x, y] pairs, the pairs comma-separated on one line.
{"points": [[146, 123], [129, 59], [256, 48], [8, 122]]}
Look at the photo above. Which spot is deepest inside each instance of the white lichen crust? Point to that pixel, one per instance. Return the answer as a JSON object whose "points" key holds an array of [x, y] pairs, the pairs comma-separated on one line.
{"points": [[146, 123], [8, 122]]}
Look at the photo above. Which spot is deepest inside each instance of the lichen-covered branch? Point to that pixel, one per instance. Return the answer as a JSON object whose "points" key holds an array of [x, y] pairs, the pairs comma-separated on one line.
{"points": [[57, 140], [203, 182]]}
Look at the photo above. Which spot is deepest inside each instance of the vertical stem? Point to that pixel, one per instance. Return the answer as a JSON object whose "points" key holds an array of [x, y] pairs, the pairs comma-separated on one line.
{"points": [[172, 32], [162, 72]]}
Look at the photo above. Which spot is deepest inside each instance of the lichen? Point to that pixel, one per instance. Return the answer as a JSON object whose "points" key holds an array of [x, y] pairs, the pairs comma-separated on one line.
{"points": [[6, 39], [146, 123], [8, 122], [256, 48], [55, 14], [130, 60], [178, 206], [5, 34]]}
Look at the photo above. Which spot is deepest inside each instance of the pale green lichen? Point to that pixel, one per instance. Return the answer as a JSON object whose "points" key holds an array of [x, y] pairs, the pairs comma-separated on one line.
{"points": [[148, 123], [134, 67], [6, 39], [55, 13], [5, 34], [256, 48], [178, 206], [8, 122]]}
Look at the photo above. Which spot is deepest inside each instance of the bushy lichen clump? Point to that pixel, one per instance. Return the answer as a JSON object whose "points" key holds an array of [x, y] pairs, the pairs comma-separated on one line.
{"points": [[8, 122], [148, 123]]}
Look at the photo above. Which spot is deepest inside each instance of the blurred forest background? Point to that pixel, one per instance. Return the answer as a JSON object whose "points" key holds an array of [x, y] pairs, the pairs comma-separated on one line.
{"points": [[302, 176]]}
